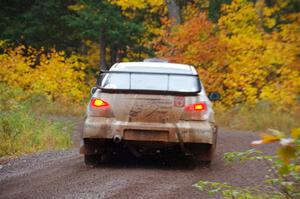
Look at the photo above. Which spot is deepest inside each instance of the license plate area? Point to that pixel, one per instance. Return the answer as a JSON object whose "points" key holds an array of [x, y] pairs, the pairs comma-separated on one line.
{"points": [[146, 135]]}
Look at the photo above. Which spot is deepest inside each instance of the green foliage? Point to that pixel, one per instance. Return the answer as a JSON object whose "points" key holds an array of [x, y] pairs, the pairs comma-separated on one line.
{"points": [[65, 25], [37, 23], [251, 154], [93, 19], [230, 192], [283, 178], [215, 8], [21, 131]]}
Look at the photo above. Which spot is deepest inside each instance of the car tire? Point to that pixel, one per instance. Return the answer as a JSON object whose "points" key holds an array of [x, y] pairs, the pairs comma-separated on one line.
{"points": [[212, 151], [91, 160], [204, 153]]}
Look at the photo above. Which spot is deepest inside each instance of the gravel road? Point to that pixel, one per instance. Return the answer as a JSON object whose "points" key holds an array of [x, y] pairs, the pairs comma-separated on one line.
{"points": [[63, 174]]}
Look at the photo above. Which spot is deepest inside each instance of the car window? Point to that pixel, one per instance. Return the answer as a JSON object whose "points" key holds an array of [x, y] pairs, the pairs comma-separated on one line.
{"points": [[149, 82], [116, 81], [156, 82], [183, 83]]}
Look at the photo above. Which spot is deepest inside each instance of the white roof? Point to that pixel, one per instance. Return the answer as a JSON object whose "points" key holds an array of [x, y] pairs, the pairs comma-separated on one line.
{"points": [[155, 67]]}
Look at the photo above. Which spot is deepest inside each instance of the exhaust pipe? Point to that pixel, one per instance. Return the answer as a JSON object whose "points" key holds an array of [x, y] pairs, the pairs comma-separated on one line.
{"points": [[117, 138]]}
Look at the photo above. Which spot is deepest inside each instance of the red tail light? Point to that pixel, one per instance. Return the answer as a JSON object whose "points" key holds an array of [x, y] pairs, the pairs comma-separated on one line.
{"points": [[200, 106], [195, 111], [98, 103]]}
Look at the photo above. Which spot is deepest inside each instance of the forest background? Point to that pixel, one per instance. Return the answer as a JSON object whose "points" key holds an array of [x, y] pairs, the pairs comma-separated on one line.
{"points": [[51, 52]]}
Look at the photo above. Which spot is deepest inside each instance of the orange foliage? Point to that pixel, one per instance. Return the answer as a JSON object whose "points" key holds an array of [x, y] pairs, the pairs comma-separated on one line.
{"points": [[239, 59], [196, 42]]}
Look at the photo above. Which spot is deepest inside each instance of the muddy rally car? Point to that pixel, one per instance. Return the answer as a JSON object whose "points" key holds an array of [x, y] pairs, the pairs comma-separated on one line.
{"points": [[149, 108]]}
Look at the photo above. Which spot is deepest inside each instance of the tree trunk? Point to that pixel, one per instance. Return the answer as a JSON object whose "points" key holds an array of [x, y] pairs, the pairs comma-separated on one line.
{"points": [[173, 12], [103, 65], [113, 56], [260, 4]]}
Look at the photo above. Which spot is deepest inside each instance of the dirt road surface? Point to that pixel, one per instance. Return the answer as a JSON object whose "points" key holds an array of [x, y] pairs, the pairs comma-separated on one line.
{"points": [[63, 174]]}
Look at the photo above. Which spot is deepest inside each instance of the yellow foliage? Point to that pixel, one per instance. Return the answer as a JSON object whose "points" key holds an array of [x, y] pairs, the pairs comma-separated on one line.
{"points": [[266, 138], [77, 7], [129, 8], [191, 10], [139, 4], [239, 58], [261, 65], [289, 147], [295, 133], [50, 73], [92, 57]]}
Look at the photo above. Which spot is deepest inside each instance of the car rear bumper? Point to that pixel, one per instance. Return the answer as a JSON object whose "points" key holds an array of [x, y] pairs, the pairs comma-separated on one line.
{"points": [[182, 131]]}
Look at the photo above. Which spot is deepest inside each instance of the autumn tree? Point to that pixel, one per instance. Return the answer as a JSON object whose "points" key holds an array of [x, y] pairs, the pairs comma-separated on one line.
{"points": [[55, 76], [248, 57], [196, 42], [260, 63]]}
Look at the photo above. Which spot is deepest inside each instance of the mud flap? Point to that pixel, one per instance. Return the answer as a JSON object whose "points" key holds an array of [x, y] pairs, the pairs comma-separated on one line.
{"points": [[90, 147], [181, 144], [204, 151]]}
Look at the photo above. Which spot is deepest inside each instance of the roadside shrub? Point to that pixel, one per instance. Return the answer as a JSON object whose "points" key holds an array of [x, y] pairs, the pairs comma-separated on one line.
{"points": [[282, 179], [257, 118], [21, 131], [53, 74]]}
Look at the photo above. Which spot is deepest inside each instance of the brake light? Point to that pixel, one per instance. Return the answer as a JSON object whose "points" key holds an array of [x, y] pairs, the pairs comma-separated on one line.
{"points": [[197, 111], [98, 103], [200, 106]]}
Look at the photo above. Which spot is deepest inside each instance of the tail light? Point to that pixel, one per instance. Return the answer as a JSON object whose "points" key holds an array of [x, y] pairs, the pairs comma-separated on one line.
{"points": [[99, 108], [195, 111], [200, 106], [98, 103]]}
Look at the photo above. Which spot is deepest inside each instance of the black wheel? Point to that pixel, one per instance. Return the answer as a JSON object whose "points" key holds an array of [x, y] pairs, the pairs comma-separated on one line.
{"points": [[206, 152], [91, 160], [202, 153], [206, 163], [93, 151]]}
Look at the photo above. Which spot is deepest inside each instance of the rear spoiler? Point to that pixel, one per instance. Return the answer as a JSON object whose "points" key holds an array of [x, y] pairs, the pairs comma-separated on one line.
{"points": [[166, 92], [150, 73]]}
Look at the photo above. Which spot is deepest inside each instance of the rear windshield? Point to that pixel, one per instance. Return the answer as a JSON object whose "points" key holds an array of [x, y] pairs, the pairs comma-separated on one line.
{"points": [[151, 82]]}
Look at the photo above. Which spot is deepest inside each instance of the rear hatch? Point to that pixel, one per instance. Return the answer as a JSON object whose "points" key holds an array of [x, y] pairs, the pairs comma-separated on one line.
{"points": [[148, 96], [151, 97], [149, 108]]}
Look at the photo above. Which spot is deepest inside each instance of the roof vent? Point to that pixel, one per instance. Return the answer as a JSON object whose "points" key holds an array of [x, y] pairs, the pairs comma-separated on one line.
{"points": [[156, 60]]}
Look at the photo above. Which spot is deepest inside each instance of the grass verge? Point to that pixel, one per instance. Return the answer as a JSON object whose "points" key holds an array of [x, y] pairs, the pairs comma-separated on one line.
{"points": [[23, 131], [258, 118]]}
